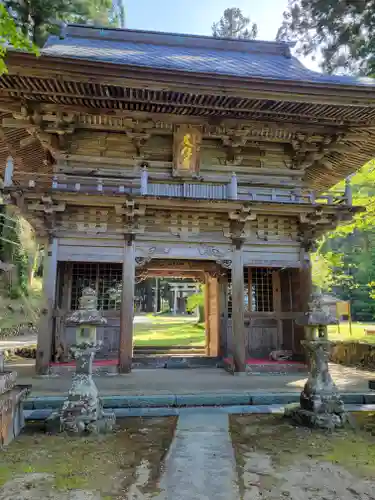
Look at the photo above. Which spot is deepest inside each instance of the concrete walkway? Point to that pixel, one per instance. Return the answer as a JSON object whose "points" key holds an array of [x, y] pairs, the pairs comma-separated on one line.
{"points": [[188, 381], [200, 463]]}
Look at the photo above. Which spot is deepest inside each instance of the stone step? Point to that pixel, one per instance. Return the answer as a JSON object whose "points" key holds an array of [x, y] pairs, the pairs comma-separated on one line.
{"points": [[34, 416], [175, 350], [244, 399]]}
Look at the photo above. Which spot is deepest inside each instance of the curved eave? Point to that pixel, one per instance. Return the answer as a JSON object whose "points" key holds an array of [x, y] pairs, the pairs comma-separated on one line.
{"points": [[178, 80]]}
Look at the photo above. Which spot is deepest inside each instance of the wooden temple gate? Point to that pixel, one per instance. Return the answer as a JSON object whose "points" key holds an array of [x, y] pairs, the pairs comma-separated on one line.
{"points": [[190, 155]]}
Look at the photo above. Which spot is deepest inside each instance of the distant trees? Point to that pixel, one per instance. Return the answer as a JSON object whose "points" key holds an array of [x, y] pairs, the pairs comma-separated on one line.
{"points": [[10, 34], [345, 260], [233, 24], [36, 19], [341, 33]]}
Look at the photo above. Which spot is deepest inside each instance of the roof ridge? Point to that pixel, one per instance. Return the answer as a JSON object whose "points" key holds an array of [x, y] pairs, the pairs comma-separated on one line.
{"points": [[175, 39]]}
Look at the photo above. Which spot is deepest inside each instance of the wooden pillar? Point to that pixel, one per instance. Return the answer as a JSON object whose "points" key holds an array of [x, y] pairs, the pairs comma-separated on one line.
{"points": [[66, 276], [301, 292], [238, 327], [46, 325], [207, 312], [213, 316], [127, 306], [306, 285], [223, 305], [276, 291]]}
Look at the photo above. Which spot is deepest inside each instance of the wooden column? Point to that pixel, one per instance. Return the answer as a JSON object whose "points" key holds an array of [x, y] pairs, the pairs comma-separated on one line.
{"points": [[306, 285], [238, 328], [223, 305], [207, 312], [213, 345], [66, 276], [301, 291], [276, 290], [46, 325], [127, 306]]}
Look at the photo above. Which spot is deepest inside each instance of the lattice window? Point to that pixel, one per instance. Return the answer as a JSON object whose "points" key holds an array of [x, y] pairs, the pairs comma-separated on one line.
{"points": [[104, 278], [109, 286], [261, 286], [83, 274]]}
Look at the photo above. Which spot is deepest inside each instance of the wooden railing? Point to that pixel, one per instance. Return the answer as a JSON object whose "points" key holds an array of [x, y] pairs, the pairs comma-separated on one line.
{"points": [[177, 188]]}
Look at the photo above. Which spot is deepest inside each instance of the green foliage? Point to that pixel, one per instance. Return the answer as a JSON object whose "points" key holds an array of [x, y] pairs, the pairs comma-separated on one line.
{"points": [[11, 35], [325, 266], [197, 301], [341, 32], [345, 260], [15, 245], [36, 19], [234, 24]]}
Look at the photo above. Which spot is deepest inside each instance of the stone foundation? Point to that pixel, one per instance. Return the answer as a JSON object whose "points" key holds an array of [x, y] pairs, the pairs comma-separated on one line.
{"points": [[353, 354], [11, 405]]}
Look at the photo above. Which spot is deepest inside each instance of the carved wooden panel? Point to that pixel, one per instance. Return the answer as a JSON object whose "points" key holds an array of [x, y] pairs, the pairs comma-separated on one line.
{"points": [[186, 150]]}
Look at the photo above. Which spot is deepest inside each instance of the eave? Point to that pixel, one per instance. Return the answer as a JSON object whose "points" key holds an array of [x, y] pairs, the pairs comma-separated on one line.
{"points": [[180, 81]]}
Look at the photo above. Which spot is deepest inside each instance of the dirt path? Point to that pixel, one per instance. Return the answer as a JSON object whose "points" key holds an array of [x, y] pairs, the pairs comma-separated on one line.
{"points": [[277, 460]]}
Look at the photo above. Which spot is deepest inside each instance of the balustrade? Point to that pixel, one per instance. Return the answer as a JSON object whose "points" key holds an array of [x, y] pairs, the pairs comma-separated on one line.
{"points": [[141, 185]]}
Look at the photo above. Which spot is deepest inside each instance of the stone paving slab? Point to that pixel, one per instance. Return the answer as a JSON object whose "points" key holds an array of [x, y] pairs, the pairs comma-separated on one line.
{"points": [[150, 382], [200, 462]]}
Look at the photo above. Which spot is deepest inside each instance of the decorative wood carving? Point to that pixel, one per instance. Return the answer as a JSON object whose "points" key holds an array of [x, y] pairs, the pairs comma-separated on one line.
{"points": [[132, 214], [184, 225], [47, 205], [186, 150], [51, 130]]}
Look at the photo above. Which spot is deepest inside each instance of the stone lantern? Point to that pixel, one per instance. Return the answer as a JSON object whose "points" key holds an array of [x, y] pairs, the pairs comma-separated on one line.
{"points": [[320, 403], [83, 410]]}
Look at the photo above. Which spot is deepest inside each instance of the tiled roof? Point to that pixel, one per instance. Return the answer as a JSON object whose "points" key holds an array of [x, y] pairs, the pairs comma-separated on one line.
{"points": [[189, 53]]}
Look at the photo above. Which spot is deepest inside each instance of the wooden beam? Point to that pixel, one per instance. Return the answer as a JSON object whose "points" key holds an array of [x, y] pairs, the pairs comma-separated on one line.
{"points": [[238, 327], [127, 306], [46, 327]]}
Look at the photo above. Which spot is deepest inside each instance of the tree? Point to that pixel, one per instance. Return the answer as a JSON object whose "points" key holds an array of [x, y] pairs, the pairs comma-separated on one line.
{"points": [[345, 259], [196, 301], [234, 24], [341, 32], [36, 19], [10, 35]]}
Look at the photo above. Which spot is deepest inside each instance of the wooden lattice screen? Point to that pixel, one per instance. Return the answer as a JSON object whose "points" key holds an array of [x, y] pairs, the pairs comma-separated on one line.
{"points": [[104, 278]]}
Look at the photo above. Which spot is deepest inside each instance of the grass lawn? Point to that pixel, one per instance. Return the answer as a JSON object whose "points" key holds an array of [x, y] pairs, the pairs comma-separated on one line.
{"points": [[167, 331], [358, 332], [123, 464]]}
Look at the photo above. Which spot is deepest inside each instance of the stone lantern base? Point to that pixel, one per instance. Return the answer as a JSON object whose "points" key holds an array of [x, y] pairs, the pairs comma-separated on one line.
{"points": [[320, 402], [83, 411], [319, 420]]}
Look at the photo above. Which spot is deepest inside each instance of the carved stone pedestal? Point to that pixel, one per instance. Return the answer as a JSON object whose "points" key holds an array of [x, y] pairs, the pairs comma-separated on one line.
{"points": [[320, 403], [82, 412], [11, 404]]}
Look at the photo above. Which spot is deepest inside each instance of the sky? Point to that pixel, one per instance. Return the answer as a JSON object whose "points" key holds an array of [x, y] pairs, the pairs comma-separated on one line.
{"points": [[196, 16]]}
